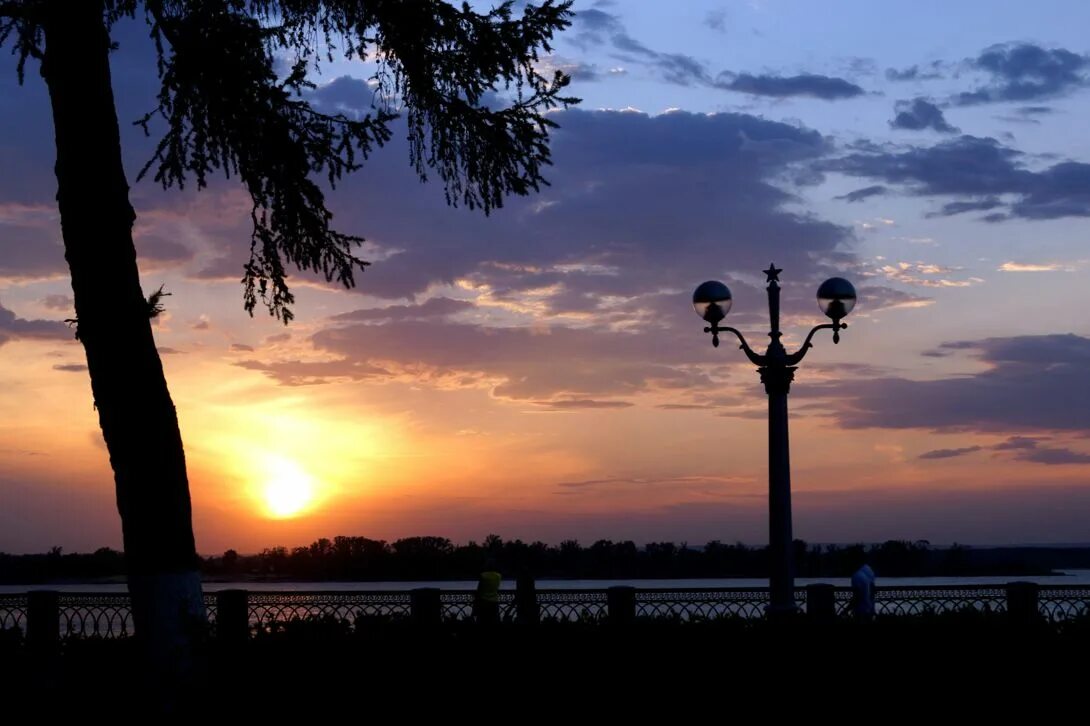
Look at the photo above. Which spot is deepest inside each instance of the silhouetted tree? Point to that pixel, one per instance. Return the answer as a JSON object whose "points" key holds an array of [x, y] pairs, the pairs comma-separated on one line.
{"points": [[359, 558], [227, 110]]}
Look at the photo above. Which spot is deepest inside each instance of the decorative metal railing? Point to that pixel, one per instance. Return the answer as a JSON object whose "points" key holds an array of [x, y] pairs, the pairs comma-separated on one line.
{"points": [[13, 612], [110, 615], [269, 609], [106, 616], [572, 605], [925, 600], [709, 604], [1064, 603]]}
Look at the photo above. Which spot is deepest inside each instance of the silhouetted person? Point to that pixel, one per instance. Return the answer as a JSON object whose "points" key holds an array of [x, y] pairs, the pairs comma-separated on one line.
{"points": [[863, 592], [486, 605]]}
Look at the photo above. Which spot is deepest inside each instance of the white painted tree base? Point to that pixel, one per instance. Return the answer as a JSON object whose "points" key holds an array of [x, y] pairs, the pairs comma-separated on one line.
{"points": [[168, 614]]}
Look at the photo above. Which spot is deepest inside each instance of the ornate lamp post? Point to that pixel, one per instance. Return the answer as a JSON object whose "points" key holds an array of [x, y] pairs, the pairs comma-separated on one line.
{"points": [[836, 298]]}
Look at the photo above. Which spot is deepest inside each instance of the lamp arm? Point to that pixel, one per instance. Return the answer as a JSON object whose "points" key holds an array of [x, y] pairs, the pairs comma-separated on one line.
{"points": [[797, 356], [715, 330]]}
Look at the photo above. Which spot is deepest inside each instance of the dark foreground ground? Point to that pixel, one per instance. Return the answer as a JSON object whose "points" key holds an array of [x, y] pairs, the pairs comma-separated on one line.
{"points": [[938, 668]]}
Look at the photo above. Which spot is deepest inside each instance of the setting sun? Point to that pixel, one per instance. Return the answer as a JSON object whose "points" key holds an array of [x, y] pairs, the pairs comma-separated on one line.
{"points": [[288, 491]]}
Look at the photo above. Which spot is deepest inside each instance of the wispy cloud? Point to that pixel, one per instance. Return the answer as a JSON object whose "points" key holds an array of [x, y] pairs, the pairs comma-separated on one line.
{"points": [[981, 173], [1012, 394], [924, 274], [1037, 267], [1026, 72], [598, 28], [949, 453], [920, 114]]}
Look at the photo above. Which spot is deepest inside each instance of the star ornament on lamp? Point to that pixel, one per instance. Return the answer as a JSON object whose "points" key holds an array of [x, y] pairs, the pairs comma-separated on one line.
{"points": [[836, 298]]}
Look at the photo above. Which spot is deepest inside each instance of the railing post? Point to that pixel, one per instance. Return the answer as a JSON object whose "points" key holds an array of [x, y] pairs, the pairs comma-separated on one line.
{"points": [[43, 619], [820, 603], [527, 611], [621, 604], [425, 606], [232, 616], [1022, 605]]}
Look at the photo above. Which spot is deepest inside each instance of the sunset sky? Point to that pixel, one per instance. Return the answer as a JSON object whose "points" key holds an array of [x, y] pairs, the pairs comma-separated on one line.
{"points": [[540, 373]]}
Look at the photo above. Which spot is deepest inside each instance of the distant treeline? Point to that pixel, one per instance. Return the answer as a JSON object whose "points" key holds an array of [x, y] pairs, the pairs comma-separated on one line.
{"points": [[437, 558]]}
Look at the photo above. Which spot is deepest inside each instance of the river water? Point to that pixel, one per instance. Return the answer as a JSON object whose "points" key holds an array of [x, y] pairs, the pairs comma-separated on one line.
{"points": [[1071, 577]]}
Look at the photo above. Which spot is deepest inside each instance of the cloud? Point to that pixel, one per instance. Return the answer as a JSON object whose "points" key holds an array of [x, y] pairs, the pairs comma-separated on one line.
{"points": [[597, 21], [432, 308], [16, 328], [540, 304], [345, 95], [576, 69], [924, 274], [30, 241], [949, 453], [650, 482], [929, 72], [860, 66], [1023, 72], [1062, 190], [1028, 114], [295, 373], [716, 20], [241, 348], [1054, 456], [685, 406], [561, 367], [64, 303], [865, 193], [980, 171], [1017, 442], [624, 184], [973, 205], [962, 166], [806, 84], [681, 69], [1028, 448], [570, 404], [582, 72], [877, 297], [1031, 383], [1036, 267], [157, 249], [597, 28], [920, 114]]}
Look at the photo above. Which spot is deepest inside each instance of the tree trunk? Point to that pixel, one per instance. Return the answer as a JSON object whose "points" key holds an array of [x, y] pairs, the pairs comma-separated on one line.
{"points": [[135, 410]]}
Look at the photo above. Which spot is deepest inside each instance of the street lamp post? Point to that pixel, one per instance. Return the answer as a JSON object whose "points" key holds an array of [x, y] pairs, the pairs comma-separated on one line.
{"points": [[836, 298]]}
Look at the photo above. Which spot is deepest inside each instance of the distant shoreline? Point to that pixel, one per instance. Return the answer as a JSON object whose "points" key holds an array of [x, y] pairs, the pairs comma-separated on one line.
{"points": [[258, 580], [439, 561]]}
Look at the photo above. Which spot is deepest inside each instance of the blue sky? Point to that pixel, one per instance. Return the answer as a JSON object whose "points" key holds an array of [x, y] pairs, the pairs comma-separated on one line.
{"points": [[861, 42]]}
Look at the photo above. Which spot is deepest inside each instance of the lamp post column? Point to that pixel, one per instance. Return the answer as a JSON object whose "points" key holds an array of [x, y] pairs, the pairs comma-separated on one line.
{"points": [[836, 298], [776, 375], [777, 381]]}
